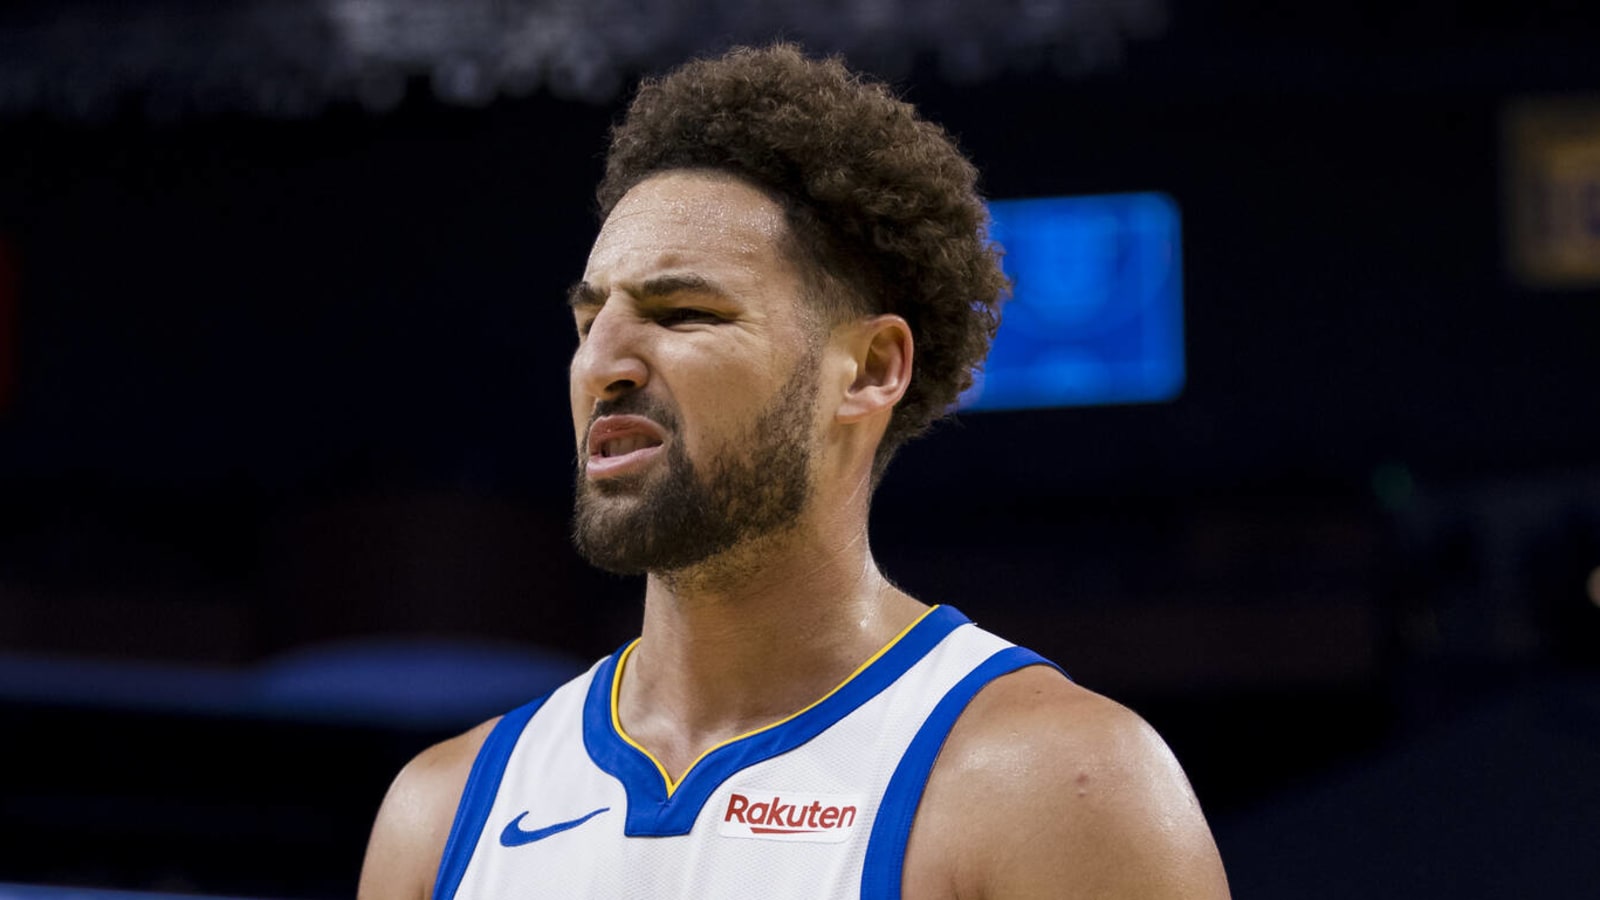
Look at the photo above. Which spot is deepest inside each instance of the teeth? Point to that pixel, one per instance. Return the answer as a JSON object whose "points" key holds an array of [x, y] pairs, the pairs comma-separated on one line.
{"points": [[622, 446]]}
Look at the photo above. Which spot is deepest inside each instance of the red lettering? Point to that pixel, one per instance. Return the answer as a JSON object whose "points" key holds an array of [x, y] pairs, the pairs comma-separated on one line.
{"points": [[775, 814], [778, 817]]}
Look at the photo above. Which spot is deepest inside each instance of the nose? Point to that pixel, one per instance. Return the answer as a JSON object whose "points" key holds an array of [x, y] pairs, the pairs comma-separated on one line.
{"points": [[609, 361]]}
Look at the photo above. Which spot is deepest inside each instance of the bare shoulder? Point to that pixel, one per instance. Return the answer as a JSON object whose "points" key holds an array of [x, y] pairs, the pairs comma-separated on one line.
{"points": [[1047, 789], [408, 838]]}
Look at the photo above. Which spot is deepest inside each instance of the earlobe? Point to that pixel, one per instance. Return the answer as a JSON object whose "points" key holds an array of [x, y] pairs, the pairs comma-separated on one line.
{"points": [[881, 348]]}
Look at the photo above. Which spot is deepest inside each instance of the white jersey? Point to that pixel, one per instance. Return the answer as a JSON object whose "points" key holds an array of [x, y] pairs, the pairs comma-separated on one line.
{"points": [[561, 803]]}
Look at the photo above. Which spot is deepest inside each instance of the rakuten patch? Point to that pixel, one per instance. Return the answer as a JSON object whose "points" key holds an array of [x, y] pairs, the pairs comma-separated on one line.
{"points": [[782, 816]]}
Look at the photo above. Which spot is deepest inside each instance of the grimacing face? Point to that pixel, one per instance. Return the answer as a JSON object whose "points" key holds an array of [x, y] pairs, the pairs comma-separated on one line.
{"points": [[695, 379]]}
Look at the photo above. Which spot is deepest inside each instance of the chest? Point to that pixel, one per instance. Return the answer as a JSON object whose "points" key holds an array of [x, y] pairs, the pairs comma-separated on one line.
{"points": [[818, 806]]}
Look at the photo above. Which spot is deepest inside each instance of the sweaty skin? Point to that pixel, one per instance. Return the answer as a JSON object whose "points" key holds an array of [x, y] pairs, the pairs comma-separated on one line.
{"points": [[1043, 789]]}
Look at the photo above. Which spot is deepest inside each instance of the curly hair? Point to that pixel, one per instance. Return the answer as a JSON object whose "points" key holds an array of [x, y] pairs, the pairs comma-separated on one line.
{"points": [[880, 201]]}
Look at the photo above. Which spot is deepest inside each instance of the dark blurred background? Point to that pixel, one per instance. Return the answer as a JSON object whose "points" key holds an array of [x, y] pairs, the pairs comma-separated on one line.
{"points": [[285, 456]]}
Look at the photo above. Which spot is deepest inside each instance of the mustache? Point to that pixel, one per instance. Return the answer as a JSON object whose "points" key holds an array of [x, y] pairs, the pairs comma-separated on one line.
{"points": [[635, 404]]}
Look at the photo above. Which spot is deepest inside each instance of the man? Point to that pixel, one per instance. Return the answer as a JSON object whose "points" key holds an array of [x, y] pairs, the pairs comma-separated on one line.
{"points": [[790, 280]]}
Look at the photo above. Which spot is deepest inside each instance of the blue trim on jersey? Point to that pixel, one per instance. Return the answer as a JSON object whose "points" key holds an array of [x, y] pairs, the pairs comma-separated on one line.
{"points": [[488, 769], [882, 870], [652, 813]]}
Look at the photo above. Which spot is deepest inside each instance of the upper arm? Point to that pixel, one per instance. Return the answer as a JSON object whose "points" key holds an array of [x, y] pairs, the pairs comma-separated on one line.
{"points": [[413, 823], [1045, 789]]}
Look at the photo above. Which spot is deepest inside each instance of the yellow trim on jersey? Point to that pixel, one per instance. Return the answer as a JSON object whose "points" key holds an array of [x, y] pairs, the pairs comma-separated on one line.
{"points": [[672, 785]]}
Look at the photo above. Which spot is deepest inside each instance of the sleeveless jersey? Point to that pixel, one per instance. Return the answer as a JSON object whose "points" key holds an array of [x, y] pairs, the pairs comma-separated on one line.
{"points": [[561, 803]]}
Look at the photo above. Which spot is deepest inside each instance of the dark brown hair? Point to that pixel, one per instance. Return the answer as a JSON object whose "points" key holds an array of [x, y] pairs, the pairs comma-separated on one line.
{"points": [[880, 201]]}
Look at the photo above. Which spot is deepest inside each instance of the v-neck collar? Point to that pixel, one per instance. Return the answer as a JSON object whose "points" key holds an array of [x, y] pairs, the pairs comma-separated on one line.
{"points": [[659, 807]]}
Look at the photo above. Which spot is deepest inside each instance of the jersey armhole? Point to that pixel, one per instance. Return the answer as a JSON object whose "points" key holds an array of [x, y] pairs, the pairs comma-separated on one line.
{"points": [[488, 768], [883, 869]]}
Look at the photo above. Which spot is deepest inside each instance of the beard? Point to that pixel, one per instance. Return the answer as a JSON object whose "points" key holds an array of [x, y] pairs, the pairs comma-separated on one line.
{"points": [[672, 520]]}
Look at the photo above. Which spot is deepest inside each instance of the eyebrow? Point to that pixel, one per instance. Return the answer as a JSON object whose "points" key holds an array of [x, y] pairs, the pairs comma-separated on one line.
{"points": [[585, 294]]}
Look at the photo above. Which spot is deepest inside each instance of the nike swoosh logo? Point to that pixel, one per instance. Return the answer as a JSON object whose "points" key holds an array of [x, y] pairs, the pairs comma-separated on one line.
{"points": [[515, 836]]}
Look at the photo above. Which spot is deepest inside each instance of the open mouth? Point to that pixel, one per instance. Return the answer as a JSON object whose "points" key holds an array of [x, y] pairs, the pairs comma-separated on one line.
{"points": [[621, 445], [626, 444]]}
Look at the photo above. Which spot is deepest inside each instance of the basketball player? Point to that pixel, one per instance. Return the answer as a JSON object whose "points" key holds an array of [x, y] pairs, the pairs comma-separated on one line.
{"points": [[790, 280]]}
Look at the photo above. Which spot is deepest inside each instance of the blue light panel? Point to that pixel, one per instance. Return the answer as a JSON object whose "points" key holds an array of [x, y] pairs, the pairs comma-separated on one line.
{"points": [[1096, 315]]}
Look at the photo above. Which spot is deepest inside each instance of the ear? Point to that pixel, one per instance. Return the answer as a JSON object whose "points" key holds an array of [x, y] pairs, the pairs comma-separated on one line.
{"points": [[881, 349]]}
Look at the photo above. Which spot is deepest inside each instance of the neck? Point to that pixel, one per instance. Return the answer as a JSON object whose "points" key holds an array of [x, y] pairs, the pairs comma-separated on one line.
{"points": [[796, 603]]}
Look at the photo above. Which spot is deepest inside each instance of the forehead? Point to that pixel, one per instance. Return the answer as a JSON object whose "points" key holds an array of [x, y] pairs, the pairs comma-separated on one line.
{"points": [[688, 218]]}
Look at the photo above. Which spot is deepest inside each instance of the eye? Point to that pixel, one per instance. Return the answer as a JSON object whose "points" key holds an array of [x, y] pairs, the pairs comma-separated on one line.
{"points": [[686, 315]]}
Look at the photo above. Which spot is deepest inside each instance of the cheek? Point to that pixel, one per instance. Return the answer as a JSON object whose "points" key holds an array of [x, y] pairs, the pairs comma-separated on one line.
{"points": [[709, 434], [723, 417], [713, 417], [580, 411]]}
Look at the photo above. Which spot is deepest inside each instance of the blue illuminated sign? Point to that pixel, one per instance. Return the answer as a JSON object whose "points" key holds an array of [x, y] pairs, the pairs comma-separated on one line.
{"points": [[1096, 315]]}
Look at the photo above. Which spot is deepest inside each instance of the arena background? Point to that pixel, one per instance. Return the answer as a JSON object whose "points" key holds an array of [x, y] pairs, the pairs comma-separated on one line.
{"points": [[285, 458]]}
